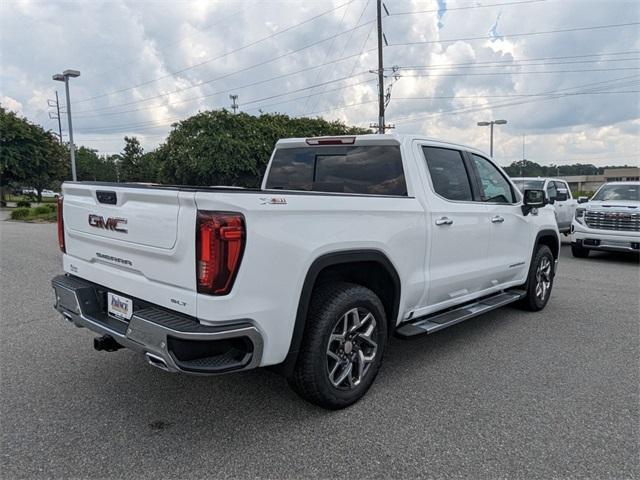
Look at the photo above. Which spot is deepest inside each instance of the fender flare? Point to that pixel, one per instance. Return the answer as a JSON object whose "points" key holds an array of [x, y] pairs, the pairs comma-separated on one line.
{"points": [[319, 264], [547, 233]]}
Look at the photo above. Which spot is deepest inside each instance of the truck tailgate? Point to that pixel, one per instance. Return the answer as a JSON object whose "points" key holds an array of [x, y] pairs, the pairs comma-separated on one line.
{"points": [[126, 238]]}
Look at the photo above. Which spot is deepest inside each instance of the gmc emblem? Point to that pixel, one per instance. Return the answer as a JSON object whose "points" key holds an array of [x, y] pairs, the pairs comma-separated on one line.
{"points": [[114, 224]]}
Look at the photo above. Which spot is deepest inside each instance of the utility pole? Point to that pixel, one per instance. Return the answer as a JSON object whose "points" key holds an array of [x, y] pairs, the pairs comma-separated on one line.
{"points": [[234, 105], [59, 121], [56, 116], [380, 70]]}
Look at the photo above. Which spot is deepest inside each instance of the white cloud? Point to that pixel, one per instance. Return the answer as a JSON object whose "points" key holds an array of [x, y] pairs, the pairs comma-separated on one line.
{"points": [[118, 44]]}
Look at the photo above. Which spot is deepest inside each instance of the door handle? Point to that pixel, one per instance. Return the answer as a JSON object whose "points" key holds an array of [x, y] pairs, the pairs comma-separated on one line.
{"points": [[444, 221], [497, 219]]}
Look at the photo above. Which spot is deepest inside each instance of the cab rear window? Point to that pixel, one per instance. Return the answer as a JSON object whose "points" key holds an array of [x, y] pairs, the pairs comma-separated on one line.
{"points": [[370, 170]]}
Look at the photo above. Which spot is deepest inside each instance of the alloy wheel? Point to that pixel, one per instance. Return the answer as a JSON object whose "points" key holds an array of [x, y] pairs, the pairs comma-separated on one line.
{"points": [[352, 348], [543, 278]]}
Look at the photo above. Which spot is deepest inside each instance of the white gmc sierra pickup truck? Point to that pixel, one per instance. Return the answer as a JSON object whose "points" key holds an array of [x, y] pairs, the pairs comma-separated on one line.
{"points": [[349, 240], [610, 221]]}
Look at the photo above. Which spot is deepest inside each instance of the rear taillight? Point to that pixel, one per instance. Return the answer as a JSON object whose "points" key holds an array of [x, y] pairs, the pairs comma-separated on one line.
{"points": [[220, 240], [60, 226]]}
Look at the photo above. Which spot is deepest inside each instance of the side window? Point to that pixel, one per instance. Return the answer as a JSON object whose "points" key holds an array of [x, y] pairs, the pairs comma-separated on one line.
{"points": [[552, 191], [495, 187], [562, 193], [448, 173]]}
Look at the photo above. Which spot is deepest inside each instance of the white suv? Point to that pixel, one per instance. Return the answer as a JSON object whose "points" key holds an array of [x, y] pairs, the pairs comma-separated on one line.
{"points": [[609, 221]]}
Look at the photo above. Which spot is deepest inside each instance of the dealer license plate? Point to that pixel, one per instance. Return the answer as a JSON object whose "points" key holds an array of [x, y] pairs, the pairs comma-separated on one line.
{"points": [[119, 306]]}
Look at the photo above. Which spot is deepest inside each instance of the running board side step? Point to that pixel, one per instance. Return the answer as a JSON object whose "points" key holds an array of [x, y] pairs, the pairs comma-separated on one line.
{"points": [[438, 321]]}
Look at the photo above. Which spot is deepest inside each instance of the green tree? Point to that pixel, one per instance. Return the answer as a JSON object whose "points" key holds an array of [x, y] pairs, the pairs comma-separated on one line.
{"points": [[28, 154], [221, 148], [93, 167], [129, 168]]}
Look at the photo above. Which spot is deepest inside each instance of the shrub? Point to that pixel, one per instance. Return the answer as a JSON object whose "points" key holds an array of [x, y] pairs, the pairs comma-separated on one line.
{"points": [[23, 203], [41, 210], [20, 213], [53, 207], [47, 217]]}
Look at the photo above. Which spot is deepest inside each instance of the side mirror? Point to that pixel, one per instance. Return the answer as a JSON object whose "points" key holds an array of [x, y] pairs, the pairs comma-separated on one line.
{"points": [[583, 199], [562, 195], [533, 199]]}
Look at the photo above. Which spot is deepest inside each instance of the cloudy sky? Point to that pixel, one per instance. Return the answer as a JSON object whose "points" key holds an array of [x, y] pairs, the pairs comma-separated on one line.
{"points": [[564, 72]]}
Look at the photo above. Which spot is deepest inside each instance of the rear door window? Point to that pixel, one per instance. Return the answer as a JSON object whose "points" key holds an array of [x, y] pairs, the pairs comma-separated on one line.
{"points": [[372, 170], [448, 173]]}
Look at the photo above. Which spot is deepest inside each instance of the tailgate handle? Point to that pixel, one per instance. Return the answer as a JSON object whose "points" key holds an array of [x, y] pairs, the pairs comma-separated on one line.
{"points": [[107, 197]]}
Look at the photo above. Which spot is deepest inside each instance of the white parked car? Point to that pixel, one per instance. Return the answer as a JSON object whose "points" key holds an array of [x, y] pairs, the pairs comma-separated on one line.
{"points": [[50, 194], [557, 193], [45, 193], [609, 221], [349, 240]]}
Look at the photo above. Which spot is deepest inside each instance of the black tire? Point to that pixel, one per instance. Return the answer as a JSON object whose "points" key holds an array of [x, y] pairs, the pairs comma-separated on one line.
{"points": [[330, 304], [533, 301], [578, 251]]}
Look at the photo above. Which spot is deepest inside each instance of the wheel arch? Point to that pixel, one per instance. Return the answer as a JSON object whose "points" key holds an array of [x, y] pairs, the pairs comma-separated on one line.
{"points": [[550, 239], [346, 265]]}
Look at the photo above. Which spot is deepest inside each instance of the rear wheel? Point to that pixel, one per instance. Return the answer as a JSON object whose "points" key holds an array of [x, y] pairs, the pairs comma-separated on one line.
{"points": [[540, 280], [578, 251], [343, 345]]}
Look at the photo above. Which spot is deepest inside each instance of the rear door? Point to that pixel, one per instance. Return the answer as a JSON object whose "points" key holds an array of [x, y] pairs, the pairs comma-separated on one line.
{"points": [[138, 240], [458, 228], [508, 252]]}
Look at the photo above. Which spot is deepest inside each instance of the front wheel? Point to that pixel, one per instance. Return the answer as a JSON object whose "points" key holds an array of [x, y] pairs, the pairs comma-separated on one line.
{"points": [[341, 352], [540, 279]]}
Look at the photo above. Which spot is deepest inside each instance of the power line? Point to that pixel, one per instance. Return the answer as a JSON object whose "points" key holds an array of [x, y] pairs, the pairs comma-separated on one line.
{"points": [[468, 7], [514, 95], [344, 49], [517, 63], [564, 57], [552, 95], [484, 37], [245, 103], [250, 67], [330, 49], [466, 74], [219, 92], [171, 44], [204, 62]]}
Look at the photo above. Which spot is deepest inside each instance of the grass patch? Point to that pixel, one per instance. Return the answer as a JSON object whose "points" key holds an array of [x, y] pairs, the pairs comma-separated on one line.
{"points": [[43, 213], [28, 198]]}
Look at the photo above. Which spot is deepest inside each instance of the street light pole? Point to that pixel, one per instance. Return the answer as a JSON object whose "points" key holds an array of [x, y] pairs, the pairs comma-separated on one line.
{"points": [[64, 77], [491, 124]]}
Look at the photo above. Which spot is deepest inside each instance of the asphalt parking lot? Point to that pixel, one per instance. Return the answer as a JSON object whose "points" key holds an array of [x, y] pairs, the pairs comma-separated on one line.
{"points": [[508, 395]]}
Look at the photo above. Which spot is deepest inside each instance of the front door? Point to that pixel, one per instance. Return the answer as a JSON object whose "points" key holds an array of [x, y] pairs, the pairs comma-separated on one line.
{"points": [[508, 254]]}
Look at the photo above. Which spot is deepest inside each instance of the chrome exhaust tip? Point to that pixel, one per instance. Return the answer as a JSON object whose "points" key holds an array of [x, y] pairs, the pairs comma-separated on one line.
{"points": [[157, 362]]}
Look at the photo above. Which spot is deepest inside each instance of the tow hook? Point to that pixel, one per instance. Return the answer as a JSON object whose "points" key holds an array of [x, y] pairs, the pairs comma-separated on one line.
{"points": [[106, 343]]}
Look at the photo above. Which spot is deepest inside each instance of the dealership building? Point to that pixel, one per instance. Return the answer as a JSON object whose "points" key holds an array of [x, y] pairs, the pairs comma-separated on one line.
{"points": [[590, 183]]}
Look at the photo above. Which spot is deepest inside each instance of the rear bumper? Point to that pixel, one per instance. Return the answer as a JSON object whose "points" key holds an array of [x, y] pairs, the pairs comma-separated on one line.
{"points": [[169, 340]]}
